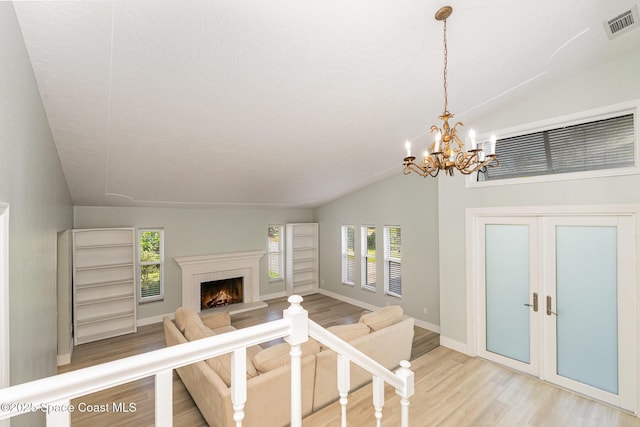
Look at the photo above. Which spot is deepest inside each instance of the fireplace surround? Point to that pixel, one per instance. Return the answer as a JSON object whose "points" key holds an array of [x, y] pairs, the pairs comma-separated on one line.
{"points": [[206, 268]]}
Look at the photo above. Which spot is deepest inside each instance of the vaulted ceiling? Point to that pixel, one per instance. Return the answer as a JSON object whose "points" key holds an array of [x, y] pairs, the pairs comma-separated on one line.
{"points": [[282, 102]]}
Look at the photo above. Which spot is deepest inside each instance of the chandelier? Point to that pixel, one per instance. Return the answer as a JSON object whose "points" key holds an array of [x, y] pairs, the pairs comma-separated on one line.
{"points": [[448, 151]]}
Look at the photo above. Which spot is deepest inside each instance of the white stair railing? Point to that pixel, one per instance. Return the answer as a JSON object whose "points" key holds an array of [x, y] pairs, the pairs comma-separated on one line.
{"points": [[53, 395], [402, 380]]}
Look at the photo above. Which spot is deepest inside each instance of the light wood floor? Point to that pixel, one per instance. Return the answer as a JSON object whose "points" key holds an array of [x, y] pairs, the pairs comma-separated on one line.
{"points": [[322, 309], [455, 390], [451, 389]]}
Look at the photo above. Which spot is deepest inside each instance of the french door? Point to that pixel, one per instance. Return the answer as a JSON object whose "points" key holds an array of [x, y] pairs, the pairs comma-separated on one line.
{"points": [[556, 299]]}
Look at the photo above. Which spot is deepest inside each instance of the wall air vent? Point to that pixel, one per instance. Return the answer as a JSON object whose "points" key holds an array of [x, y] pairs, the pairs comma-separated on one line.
{"points": [[622, 23]]}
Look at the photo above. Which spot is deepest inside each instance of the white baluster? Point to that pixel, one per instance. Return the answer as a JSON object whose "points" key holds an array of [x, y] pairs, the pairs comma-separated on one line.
{"points": [[299, 333], [239, 383], [59, 415], [296, 386], [164, 398], [343, 385], [378, 398], [405, 373]]}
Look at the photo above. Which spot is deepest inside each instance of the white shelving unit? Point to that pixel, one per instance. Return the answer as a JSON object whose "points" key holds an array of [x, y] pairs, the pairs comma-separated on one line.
{"points": [[301, 258], [104, 297]]}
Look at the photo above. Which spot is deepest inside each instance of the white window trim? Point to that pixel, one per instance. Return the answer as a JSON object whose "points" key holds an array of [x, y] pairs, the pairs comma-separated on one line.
{"points": [[280, 253], [364, 257], [160, 297], [602, 113], [387, 258], [344, 253]]}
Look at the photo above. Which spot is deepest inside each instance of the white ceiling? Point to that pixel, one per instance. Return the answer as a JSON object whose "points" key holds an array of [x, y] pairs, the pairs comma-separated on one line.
{"points": [[282, 102]]}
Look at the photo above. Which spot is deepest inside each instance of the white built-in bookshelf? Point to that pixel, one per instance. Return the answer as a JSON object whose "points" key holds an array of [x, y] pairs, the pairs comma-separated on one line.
{"points": [[301, 258], [104, 297]]}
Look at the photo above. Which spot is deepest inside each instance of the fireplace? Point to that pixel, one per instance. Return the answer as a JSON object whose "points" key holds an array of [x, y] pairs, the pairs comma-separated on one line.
{"points": [[218, 293], [219, 267]]}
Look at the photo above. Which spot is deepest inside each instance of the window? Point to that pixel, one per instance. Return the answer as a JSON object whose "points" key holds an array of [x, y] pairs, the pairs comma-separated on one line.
{"points": [[275, 252], [392, 261], [348, 254], [603, 144], [368, 249], [151, 261]]}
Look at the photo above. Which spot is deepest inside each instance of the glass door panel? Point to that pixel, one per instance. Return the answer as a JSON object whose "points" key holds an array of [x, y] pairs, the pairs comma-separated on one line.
{"points": [[586, 305], [507, 291], [507, 253], [589, 286]]}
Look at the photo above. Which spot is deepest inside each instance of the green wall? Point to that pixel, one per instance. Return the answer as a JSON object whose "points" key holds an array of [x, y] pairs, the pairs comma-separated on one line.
{"points": [[610, 83], [34, 187], [408, 201], [195, 232]]}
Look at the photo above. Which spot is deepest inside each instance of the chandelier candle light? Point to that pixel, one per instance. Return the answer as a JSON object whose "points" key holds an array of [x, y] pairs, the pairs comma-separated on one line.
{"points": [[447, 151]]}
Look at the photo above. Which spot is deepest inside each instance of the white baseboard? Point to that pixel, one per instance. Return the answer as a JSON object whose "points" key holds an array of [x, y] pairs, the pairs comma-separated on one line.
{"points": [[153, 319], [427, 325], [420, 323], [65, 359], [273, 296], [347, 300], [454, 345]]}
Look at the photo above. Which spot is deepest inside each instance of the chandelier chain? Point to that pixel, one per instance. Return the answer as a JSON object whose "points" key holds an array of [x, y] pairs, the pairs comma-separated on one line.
{"points": [[446, 99]]}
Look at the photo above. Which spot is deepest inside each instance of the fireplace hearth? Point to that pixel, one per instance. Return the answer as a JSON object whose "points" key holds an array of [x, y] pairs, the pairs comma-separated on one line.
{"points": [[218, 293]]}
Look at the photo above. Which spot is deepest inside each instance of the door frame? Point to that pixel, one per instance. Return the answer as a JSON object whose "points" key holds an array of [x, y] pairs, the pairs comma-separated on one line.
{"points": [[472, 224], [4, 297]]}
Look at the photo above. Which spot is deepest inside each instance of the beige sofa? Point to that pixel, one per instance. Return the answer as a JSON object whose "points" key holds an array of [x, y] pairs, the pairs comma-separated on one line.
{"points": [[385, 335]]}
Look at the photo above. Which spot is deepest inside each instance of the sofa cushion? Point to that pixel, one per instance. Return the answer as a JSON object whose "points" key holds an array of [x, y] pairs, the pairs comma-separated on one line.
{"points": [[221, 365], [383, 317], [224, 329], [278, 355], [181, 317], [194, 329], [348, 332], [216, 320]]}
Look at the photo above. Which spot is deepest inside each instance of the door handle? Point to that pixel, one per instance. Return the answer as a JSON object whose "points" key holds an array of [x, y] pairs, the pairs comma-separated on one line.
{"points": [[549, 311], [535, 302]]}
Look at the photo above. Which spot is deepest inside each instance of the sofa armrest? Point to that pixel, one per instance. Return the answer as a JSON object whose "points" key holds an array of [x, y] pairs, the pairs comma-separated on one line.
{"points": [[216, 320]]}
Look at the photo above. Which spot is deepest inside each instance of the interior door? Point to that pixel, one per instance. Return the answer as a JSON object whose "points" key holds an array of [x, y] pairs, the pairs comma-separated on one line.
{"points": [[509, 303], [589, 316]]}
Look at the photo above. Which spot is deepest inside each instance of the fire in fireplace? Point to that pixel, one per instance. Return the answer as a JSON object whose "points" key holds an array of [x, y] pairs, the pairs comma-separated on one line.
{"points": [[220, 292]]}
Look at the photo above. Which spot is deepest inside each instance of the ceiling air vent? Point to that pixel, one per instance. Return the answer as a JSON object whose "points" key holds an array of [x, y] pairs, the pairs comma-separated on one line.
{"points": [[622, 23]]}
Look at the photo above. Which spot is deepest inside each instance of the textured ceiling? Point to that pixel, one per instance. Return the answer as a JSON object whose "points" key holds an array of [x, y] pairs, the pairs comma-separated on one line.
{"points": [[281, 102]]}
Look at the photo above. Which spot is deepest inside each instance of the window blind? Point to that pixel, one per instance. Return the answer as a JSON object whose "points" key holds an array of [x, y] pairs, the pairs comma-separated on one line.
{"points": [[369, 257], [596, 145], [348, 254], [393, 261]]}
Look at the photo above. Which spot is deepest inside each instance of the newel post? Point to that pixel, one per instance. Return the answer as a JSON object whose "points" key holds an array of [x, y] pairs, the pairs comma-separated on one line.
{"points": [[406, 392], [299, 333]]}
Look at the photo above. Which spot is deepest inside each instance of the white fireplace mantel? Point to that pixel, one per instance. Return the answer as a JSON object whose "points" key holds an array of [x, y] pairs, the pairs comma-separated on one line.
{"points": [[204, 268]]}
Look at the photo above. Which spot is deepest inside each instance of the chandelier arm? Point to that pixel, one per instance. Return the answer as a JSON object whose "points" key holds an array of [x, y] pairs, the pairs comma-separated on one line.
{"points": [[411, 166]]}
